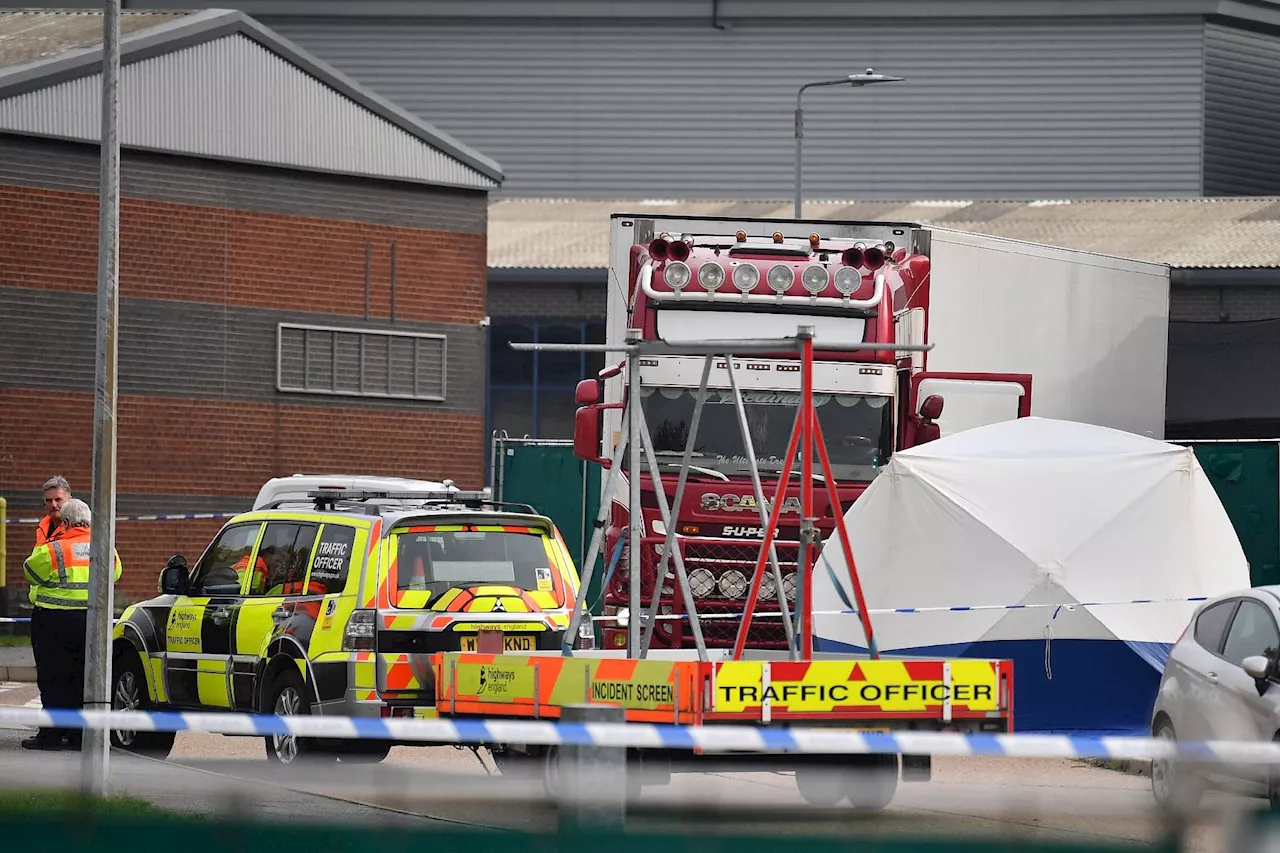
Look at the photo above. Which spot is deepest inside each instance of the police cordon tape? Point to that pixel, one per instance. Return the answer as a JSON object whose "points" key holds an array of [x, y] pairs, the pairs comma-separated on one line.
{"points": [[1068, 606], [827, 741], [182, 516]]}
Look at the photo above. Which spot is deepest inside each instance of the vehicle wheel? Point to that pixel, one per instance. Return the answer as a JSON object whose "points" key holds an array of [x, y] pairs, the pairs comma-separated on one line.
{"points": [[820, 785], [871, 781], [129, 693], [286, 697], [1175, 786], [551, 782]]}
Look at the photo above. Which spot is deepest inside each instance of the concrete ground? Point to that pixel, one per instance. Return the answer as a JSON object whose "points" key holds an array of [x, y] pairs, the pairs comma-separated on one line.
{"points": [[989, 798], [17, 664]]}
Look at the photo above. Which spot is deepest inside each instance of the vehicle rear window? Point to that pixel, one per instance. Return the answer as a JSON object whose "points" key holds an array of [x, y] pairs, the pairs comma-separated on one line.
{"points": [[1211, 624], [450, 558]]}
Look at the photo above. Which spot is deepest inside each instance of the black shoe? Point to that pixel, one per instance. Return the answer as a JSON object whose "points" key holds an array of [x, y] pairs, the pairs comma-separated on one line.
{"points": [[74, 742], [42, 742]]}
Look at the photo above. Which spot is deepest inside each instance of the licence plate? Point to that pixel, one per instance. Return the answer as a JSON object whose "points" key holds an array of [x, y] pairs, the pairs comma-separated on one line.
{"points": [[510, 643]]}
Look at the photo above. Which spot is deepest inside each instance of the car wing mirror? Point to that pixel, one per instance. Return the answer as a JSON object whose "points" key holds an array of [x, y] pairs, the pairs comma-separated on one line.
{"points": [[1258, 667], [175, 577]]}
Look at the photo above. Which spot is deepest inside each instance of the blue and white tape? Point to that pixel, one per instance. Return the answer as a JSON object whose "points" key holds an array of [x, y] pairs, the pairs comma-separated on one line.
{"points": [[827, 741], [1069, 606], [182, 516]]}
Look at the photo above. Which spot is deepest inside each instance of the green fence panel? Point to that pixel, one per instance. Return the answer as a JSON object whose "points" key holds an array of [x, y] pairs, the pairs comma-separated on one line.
{"points": [[1246, 477], [558, 485], [77, 832]]}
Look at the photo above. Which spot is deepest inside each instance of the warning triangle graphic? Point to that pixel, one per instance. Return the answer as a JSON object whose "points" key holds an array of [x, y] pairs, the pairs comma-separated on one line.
{"points": [[857, 675]]}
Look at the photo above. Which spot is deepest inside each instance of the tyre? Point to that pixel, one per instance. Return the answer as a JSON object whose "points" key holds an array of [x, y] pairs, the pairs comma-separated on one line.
{"points": [[820, 785], [287, 697], [871, 781], [1175, 785], [129, 693]]}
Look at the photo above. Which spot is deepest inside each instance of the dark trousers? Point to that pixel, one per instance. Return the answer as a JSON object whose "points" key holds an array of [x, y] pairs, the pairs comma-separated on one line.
{"points": [[57, 641]]}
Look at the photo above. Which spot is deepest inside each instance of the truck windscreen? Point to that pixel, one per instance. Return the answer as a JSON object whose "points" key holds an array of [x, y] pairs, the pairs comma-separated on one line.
{"points": [[858, 430]]}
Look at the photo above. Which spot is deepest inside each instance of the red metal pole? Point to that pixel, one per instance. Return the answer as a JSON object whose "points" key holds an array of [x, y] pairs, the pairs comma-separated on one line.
{"points": [[770, 530], [808, 416], [846, 545]]}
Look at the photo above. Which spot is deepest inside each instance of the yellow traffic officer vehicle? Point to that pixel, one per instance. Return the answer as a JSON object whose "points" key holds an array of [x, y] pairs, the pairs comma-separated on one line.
{"points": [[330, 600]]}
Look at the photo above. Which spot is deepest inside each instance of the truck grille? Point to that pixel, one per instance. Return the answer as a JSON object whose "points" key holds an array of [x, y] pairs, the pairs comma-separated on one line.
{"points": [[720, 573]]}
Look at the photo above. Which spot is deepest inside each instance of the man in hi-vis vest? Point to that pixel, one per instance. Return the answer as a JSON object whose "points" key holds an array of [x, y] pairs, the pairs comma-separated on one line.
{"points": [[58, 572]]}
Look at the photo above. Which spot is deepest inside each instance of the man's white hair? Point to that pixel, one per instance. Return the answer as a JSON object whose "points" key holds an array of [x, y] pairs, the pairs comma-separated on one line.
{"points": [[75, 513], [57, 482]]}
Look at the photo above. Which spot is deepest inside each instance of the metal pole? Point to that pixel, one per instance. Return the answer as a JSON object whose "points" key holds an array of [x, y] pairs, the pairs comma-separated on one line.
{"points": [[669, 519], [799, 150], [94, 759], [635, 551], [809, 539], [749, 447], [670, 541]]}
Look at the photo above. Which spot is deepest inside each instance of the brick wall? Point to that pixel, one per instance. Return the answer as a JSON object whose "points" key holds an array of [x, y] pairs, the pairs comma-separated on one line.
{"points": [[180, 433]]}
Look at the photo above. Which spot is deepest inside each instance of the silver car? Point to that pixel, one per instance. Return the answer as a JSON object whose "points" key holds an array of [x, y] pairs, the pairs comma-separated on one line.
{"points": [[1221, 682]]}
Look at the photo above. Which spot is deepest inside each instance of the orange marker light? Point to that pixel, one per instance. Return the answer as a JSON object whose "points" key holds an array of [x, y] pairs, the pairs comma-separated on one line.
{"points": [[814, 240], [742, 236], [777, 236]]}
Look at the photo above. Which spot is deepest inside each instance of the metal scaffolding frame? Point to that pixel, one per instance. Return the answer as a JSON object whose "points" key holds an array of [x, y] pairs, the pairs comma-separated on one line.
{"points": [[806, 434]]}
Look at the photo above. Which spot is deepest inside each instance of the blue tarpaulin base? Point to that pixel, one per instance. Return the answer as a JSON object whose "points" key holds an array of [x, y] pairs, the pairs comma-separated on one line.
{"points": [[1098, 687]]}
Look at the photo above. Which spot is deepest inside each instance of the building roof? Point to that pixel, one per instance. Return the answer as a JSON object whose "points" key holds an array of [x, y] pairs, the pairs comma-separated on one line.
{"points": [[1185, 233], [218, 84]]}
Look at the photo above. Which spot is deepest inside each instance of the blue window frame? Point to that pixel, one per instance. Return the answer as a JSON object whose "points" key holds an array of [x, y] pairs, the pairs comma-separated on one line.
{"points": [[531, 393]]}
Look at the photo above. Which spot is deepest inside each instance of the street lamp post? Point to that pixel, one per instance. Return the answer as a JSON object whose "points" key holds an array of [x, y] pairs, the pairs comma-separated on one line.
{"points": [[852, 80]]}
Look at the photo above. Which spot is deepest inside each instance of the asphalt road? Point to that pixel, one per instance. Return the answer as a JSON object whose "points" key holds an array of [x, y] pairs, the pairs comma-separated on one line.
{"points": [[977, 797]]}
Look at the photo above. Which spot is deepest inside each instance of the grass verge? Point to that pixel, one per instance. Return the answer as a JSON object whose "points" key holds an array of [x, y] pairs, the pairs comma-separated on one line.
{"points": [[34, 804], [14, 641]]}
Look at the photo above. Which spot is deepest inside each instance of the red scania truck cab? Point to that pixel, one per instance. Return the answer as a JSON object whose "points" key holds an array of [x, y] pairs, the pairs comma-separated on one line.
{"points": [[694, 278]]}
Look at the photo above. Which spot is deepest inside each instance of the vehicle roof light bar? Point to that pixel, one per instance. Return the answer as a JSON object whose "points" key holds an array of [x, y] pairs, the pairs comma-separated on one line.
{"points": [[331, 496]]}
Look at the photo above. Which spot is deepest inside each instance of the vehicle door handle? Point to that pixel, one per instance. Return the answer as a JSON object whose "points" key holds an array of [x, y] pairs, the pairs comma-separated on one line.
{"points": [[1212, 676]]}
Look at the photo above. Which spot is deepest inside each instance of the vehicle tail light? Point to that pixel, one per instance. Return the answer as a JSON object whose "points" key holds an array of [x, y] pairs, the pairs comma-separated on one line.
{"points": [[658, 248], [678, 250], [852, 257], [873, 257], [359, 633]]}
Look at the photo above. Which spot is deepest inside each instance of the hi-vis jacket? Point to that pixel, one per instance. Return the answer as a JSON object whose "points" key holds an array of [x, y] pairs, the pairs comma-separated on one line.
{"points": [[48, 530], [58, 571]]}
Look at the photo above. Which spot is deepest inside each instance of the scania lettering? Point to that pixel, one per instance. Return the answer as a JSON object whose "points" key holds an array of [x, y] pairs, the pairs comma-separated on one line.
{"points": [[982, 300]]}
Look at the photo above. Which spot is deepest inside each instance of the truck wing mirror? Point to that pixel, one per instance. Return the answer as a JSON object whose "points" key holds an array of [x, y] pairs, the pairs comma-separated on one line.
{"points": [[931, 408], [587, 393], [586, 434]]}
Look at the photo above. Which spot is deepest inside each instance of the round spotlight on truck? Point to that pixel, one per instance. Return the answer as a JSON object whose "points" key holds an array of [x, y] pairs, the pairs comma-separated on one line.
{"points": [[677, 275], [815, 279], [711, 276], [701, 583], [781, 277], [847, 280], [768, 586], [746, 277], [789, 586], [733, 584]]}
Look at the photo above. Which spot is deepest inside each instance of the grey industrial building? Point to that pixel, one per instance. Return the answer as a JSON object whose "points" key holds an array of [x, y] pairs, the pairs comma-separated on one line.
{"points": [[1009, 108]]}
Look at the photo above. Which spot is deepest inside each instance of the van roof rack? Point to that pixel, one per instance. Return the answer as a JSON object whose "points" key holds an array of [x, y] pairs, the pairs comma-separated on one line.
{"points": [[329, 498]]}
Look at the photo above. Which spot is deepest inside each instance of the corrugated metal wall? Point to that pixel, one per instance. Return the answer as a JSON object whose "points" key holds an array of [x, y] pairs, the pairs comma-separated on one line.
{"points": [[1014, 108], [1241, 112], [232, 98]]}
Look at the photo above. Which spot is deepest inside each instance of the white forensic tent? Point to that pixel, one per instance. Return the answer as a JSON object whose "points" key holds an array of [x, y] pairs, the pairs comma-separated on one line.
{"points": [[1038, 511]]}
